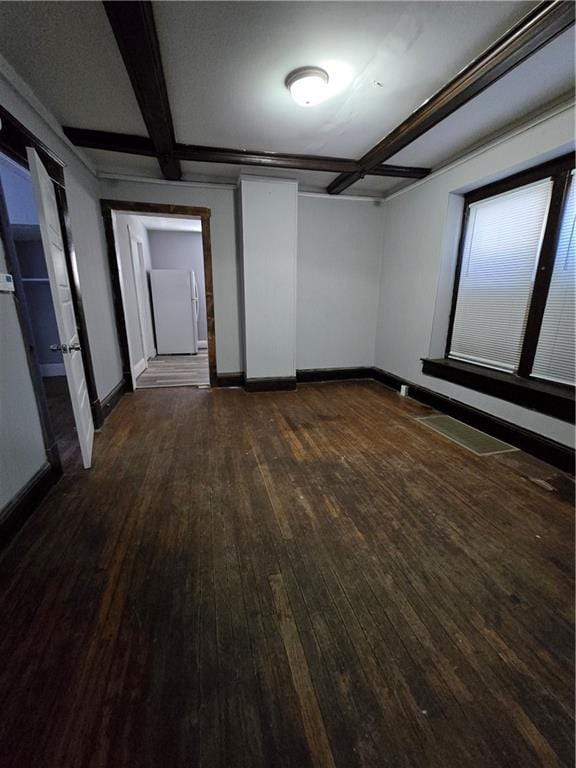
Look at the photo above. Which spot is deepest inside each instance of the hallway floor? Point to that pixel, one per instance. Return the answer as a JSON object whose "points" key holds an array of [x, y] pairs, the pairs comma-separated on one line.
{"points": [[306, 579], [176, 371]]}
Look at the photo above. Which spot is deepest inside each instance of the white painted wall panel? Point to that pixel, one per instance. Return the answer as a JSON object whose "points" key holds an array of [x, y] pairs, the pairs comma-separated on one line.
{"points": [[22, 451], [339, 255], [269, 248]]}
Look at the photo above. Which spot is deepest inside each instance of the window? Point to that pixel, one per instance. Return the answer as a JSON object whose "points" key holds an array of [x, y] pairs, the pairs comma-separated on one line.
{"points": [[554, 358], [502, 243], [512, 321]]}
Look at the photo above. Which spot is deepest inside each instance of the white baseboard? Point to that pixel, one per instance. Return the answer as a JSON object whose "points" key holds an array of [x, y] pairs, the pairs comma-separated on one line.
{"points": [[52, 369], [140, 366], [202, 345]]}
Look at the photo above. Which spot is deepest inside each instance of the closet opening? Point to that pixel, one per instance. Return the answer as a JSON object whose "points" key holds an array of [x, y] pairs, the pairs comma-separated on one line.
{"points": [[36, 303]]}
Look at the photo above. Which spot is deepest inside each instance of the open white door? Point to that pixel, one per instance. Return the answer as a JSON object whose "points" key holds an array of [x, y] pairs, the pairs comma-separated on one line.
{"points": [[62, 298], [141, 296]]}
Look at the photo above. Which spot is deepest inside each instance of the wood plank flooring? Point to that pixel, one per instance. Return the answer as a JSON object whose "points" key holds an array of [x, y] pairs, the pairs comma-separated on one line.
{"points": [[62, 419], [306, 579], [176, 371]]}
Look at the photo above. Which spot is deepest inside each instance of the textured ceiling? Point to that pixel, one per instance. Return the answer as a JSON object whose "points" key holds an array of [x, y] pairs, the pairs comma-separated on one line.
{"points": [[68, 55], [225, 65], [542, 80]]}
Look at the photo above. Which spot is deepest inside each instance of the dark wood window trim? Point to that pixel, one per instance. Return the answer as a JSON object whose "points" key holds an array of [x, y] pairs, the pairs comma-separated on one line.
{"points": [[545, 397], [562, 164], [522, 388]]}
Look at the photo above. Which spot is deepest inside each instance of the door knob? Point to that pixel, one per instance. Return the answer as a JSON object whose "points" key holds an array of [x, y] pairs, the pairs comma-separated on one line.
{"points": [[59, 348]]}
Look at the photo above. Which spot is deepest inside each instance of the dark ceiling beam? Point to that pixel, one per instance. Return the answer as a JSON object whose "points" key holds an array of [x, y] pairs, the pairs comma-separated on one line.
{"points": [[295, 162], [537, 29], [135, 32], [111, 142], [141, 145], [201, 154], [398, 171]]}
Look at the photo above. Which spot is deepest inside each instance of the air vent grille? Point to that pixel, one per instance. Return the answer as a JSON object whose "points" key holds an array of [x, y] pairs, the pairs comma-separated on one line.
{"points": [[478, 442]]}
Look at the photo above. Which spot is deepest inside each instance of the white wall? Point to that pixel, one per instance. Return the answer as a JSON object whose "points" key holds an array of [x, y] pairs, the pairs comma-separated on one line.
{"points": [[339, 257], [22, 451], [225, 261], [269, 248], [82, 191], [419, 253], [181, 250]]}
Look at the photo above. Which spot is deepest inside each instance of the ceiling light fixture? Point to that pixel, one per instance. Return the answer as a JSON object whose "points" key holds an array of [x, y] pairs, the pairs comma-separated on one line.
{"points": [[308, 85]]}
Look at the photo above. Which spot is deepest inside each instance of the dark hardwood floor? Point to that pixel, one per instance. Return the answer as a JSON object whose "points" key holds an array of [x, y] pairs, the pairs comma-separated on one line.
{"points": [[62, 420], [305, 579]]}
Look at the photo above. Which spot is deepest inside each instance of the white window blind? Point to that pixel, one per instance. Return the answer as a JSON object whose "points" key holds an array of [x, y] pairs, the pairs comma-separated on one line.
{"points": [[501, 248], [554, 358]]}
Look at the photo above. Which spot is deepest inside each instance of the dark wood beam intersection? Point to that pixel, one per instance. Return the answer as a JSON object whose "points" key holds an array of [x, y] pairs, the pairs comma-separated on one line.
{"points": [[141, 145], [537, 29], [135, 32]]}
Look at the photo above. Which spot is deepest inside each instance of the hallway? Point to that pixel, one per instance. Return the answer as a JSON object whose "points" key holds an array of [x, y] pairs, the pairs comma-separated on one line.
{"points": [[176, 371], [289, 579]]}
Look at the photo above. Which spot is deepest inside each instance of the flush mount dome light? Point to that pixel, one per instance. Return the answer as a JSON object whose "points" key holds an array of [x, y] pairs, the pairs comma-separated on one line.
{"points": [[308, 85]]}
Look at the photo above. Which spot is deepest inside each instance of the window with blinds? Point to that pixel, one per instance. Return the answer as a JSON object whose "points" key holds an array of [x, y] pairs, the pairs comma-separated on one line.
{"points": [[502, 242], [554, 358]]}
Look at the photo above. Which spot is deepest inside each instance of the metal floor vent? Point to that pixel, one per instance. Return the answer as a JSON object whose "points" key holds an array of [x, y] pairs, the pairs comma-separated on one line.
{"points": [[478, 442]]}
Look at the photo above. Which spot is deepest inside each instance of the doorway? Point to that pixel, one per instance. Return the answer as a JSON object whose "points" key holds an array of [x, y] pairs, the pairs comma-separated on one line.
{"points": [[31, 267], [161, 268]]}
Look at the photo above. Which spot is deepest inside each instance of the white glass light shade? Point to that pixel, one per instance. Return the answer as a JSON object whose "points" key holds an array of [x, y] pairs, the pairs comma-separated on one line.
{"points": [[308, 85]]}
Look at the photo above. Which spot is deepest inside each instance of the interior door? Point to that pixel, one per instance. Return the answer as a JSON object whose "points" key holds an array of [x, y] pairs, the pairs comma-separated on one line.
{"points": [[62, 298], [141, 290], [139, 303]]}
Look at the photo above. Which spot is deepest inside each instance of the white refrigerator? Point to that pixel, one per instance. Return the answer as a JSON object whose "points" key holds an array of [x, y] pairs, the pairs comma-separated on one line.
{"points": [[175, 303]]}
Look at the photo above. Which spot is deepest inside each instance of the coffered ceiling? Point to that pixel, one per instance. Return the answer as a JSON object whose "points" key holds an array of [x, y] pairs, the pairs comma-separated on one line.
{"points": [[224, 66]]}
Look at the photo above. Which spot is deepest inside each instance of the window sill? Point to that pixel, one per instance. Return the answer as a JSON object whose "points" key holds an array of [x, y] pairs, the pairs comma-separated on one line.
{"points": [[555, 400]]}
